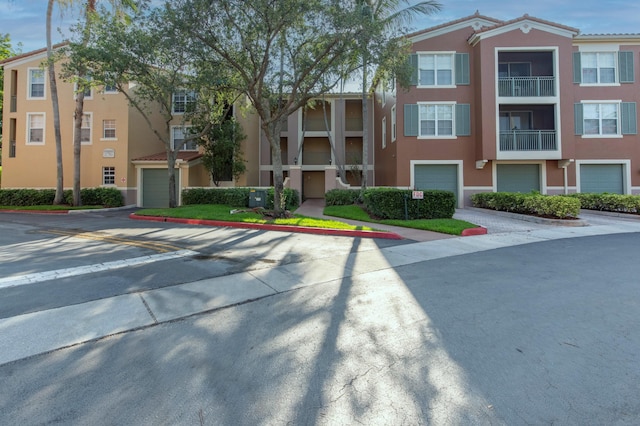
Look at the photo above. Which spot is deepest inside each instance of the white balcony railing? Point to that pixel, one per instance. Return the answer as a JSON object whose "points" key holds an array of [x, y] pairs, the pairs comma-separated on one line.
{"points": [[528, 140], [526, 86]]}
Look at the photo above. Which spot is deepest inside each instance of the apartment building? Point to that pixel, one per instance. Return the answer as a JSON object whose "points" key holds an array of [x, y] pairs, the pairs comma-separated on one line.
{"points": [[515, 106], [119, 149], [322, 147]]}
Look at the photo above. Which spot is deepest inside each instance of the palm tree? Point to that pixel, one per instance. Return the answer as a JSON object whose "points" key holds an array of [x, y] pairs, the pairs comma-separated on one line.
{"points": [[381, 21], [53, 87]]}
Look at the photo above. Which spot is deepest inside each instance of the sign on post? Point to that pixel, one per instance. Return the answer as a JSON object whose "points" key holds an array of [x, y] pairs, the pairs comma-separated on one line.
{"points": [[418, 195]]}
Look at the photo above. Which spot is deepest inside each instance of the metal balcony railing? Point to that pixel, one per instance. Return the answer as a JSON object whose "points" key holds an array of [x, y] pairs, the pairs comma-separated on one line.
{"points": [[12, 149], [528, 140], [13, 107], [526, 86]]}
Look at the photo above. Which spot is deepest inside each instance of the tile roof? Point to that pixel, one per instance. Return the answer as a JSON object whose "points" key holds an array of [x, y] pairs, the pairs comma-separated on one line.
{"points": [[526, 17], [32, 53], [457, 21]]}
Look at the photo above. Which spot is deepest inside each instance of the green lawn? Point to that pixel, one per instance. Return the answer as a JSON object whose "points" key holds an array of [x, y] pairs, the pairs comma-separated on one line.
{"points": [[445, 226], [223, 213]]}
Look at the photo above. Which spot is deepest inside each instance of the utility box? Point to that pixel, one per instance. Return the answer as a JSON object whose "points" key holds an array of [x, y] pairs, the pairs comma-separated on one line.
{"points": [[257, 198]]}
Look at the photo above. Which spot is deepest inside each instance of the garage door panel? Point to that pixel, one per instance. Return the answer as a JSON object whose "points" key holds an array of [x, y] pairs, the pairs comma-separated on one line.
{"points": [[155, 188], [599, 178], [522, 178], [437, 176]]}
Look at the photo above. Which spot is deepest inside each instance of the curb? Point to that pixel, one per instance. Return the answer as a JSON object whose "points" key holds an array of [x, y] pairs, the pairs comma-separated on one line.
{"points": [[474, 231], [270, 227]]}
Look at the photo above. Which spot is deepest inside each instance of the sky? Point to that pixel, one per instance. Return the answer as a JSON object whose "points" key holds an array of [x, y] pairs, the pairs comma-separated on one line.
{"points": [[24, 20]]}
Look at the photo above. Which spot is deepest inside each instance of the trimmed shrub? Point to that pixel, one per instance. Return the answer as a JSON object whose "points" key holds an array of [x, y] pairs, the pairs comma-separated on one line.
{"points": [[555, 206], [106, 197], [341, 197], [235, 197], [609, 202], [389, 203]]}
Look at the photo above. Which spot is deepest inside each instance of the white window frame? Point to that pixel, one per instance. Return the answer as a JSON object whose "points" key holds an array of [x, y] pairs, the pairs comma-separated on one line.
{"points": [[173, 140], [30, 83], [108, 173], [384, 132], [394, 128], [90, 89], [615, 81], [452, 57], [601, 135], [452, 105], [104, 130], [44, 126], [90, 119], [186, 102], [107, 91]]}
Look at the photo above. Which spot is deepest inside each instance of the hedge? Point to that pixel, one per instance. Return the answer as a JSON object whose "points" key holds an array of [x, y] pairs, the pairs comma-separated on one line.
{"points": [[341, 197], [234, 197], [389, 203], [555, 206], [609, 202], [106, 197]]}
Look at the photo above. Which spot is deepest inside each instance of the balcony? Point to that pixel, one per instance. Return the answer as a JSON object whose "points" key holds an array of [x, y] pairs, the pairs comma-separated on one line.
{"points": [[13, 106], [526, 86], [528, 140], [12, 148]]}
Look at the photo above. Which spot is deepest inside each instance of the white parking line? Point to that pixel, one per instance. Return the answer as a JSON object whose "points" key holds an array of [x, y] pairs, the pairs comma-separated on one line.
{"points": [[89, 269]]}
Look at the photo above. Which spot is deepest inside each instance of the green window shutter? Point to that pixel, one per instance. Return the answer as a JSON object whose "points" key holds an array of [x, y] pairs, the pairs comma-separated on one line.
{"points": [[462, 68], [578, 118], [577, 68], [629, 118], [413, 63], [463, 120], [625, 64], [411, 120]]}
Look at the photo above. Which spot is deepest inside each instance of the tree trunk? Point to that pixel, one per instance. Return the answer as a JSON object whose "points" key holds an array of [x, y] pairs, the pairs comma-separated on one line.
{"points": [[365, 127], [272, 131], [53, 87], [172, 156], [77, 146]]}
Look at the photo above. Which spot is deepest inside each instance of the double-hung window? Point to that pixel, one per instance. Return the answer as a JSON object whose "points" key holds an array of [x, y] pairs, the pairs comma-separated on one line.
{"points": [[435, 69], [436, 120], [108, 129], [605, 118], [182, 101], [85, 130], [598, 67], [108, 175], [35, 130], [36, 83], [178, 137]]}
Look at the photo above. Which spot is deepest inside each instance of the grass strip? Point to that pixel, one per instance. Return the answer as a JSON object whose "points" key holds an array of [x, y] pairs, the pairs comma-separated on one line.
{"points": [[444, 226]]}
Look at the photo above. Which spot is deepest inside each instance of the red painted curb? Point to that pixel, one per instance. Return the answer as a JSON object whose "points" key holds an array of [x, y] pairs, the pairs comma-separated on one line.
{"points": [[271, 227], [474, 231]]}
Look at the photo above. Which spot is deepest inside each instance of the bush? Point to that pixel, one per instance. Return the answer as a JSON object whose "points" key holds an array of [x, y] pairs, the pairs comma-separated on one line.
{"points": [[556, 206], [341, 197], [609, 202], [389, 203], [106, 197], [235, 197]]}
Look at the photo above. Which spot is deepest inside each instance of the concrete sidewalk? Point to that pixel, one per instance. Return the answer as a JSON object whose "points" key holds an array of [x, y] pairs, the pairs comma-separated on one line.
{"points": [[40, 332]]}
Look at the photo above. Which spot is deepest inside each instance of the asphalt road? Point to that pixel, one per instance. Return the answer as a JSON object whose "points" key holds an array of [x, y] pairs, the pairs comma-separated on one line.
{"points": [[540, 333]]}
